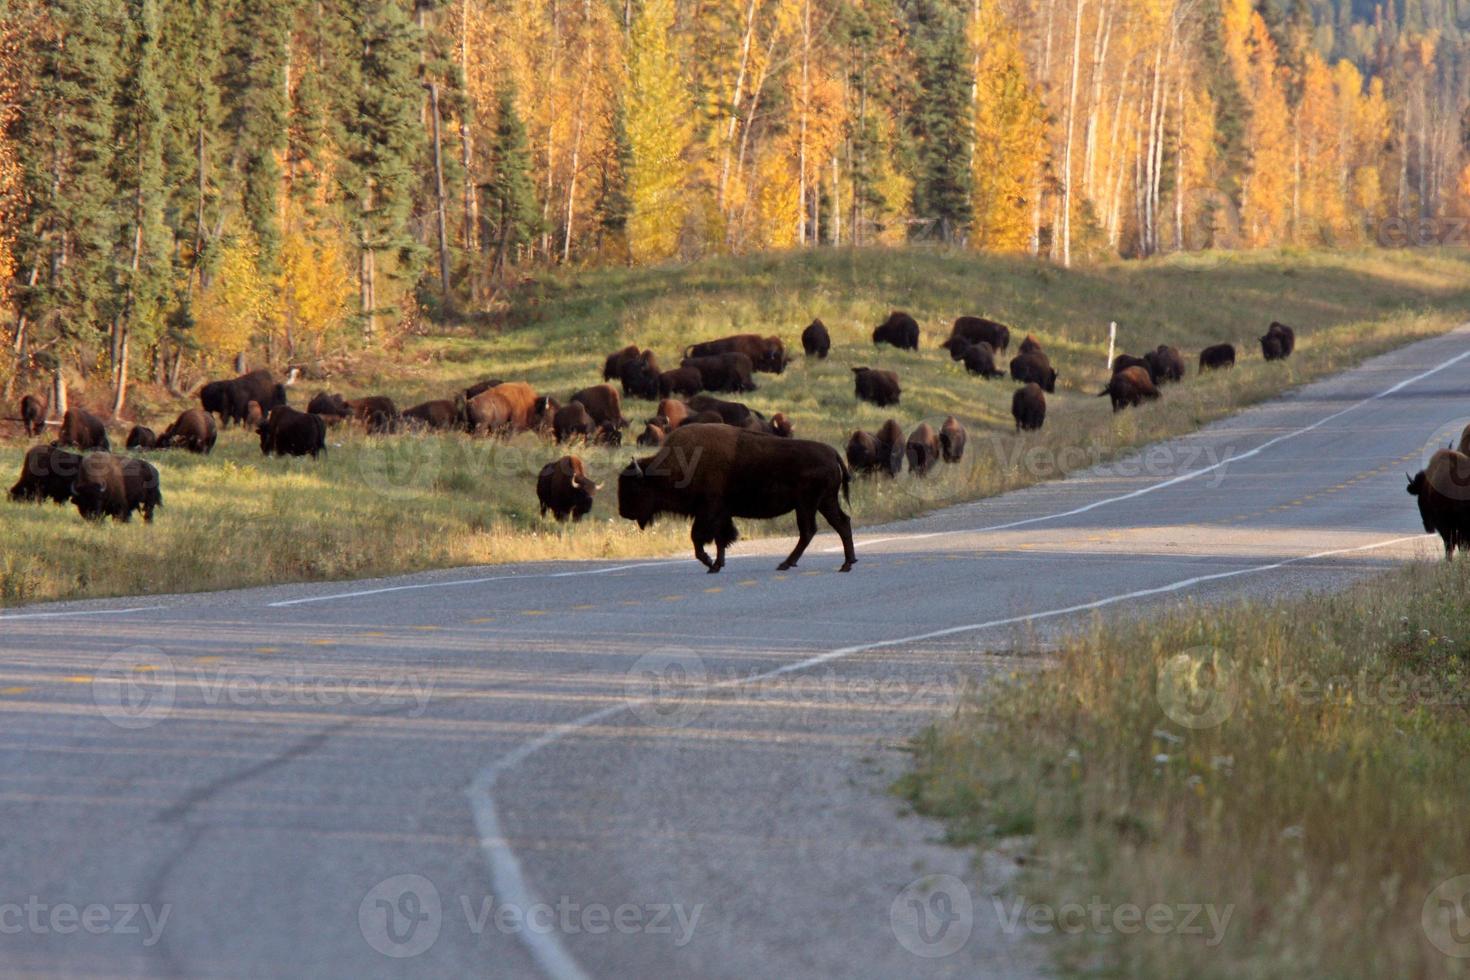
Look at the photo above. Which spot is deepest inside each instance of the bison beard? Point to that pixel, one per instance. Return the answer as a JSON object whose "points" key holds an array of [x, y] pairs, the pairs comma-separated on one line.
{"points": [[715, 473]]}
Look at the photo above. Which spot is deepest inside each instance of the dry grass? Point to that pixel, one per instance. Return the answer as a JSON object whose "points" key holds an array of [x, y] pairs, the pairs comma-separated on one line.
{"points": [[378, 506]]}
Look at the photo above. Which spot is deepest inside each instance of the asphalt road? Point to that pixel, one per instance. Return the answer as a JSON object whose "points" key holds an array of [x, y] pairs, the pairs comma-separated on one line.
{"points": [[629, 770]]}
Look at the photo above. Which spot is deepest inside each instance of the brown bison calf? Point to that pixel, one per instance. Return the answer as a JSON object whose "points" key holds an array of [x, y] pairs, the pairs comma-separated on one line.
{"points": [[952, 439], [716, 473], [922, 449], [47, 473], [1129, 388], [115, 486], [193, 430], [1443, 490], [565, 489], [879, 387], [815, 340], [1028, 407]]}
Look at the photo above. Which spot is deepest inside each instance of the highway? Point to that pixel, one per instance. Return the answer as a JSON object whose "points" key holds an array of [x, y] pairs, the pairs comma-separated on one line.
{"points": [[630, 769]]}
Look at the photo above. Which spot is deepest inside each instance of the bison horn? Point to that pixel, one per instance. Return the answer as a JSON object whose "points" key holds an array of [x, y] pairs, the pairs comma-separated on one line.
{"points": [[636, 468]]}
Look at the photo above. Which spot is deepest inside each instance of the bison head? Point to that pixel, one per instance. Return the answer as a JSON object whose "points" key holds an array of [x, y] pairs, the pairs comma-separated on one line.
{"points": [[1419, 487], [635, 499]]}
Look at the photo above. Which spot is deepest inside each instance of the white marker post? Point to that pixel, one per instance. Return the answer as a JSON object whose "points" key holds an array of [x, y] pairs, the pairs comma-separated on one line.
{"points": [[1112, 338]]}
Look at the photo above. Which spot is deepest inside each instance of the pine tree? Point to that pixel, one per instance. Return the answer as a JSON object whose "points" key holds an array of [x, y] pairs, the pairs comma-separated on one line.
{"points": [[940, 120], [659, 130], [613, 207], [510, 197]]}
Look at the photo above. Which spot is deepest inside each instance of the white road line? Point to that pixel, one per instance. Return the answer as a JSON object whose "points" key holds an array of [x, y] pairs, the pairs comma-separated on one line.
{"points": [[1172, 481], [469, 581], [89, 612], [509, 879]]}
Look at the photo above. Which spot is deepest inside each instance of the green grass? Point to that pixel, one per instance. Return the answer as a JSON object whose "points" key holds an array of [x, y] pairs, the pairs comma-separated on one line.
{"points": [[1323, 811], [237, 519]]}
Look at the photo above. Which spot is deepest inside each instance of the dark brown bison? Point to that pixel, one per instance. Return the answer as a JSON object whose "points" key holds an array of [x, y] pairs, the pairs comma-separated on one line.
{"points": [[612, 368], [84, 430], [1127, 361], [1036, 367], [957, 347], [1130, 387], [723, 372], [776, 425], [565, 489], [1164, 364], [674, 412], [731, 413], [572, 420], [900, 330], [815, 340], [864, 454], [142, 437], [604, 405], [952, 439], [922, 449], [977, 328], [193, 430], [879, 387], [652, 435], [1028, 345], [115, 486], [332, 408], [980, 359], [509, 408], [33, 414], [1217, 356], [254, 414], [680, 381], [706, 417], [46, 473], [441, 413], [1284, 344], [230, 400], [291, 433], [1443, 490], [716, 473], [480, 387], [1028, 407], [1464, 444], [376, 412], [767, 354], [891, 445], [639, 376]]}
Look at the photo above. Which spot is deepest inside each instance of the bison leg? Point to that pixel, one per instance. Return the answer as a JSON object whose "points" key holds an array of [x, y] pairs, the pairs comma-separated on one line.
{"points": [[806, 527], [842, 524], [699, 534], [726, 537]]}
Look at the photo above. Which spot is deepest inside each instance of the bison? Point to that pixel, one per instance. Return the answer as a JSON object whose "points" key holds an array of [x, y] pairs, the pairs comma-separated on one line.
{"points": [[767, 354], [33, 414], [142, 437], [957, 347], [922, 449], [115, 486], [1443, 489], [723, 372], [879, 387], [980, 359], [899, 330], [441, 413], [815, 341], [230, 399], [952, 439], [674, 412], [603, 404], [254, 414], [291, 433], [572, 420], [1130, 387], [1028, 345], [1282, 346], [1217, 356], [1127, 361], [891, 445], [1164, 363], [376, 412], [1464, 444], [716, 473], [974, 329], [731, 413], [46, 473], [1028, 407], [864, 454], [1036, 367], [640, 375], [480, 387], [612, 368], [564, 488], [680, 381], [193, 430], [508, 408], [653, 435], [82, 429], [332, 408]]}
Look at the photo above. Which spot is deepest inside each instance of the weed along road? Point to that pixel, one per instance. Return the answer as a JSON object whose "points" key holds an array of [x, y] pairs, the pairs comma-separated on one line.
{"points": [[634, 768]]}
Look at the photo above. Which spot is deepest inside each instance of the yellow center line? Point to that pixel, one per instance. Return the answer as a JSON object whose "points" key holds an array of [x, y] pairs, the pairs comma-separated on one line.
{"points": [[715, 588], [533, 612], [13, 690], [482, 620]]}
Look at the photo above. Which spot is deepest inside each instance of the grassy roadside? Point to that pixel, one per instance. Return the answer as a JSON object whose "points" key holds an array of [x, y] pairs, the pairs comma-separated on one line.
{"points": [[1299, 766], [385, 505]]}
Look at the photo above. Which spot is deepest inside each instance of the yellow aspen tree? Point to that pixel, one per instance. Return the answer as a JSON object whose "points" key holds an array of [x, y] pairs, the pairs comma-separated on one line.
{"points": [[1011, 147], [659, 129], [1323, 217], [238, 301], [1267, 195]]}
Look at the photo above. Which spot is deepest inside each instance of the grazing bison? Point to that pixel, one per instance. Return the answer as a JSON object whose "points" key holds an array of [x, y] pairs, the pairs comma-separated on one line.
{"points": [[922, 449], [193, 430], [815, 340], [957, 347], [480, 387], [680, 381], [767, 354], [1443, 489], [291, 433], [33, 414], [891, 444], [674, 412], [612, 368], [376, 412], [723, 372], [332, 408], [1130, 387], [706, 417], [653, 435], [509, 408], [565, 489], [639, 376], [731, 413], [142, 437], [230, 400], [1164, 363], [115, 486], [1127, 361], [441, 413], [980, 359], [1028, 345], [1217, 356], [84, 430], [864, 454], [604, 405], [715, 473], [900, 330], [879, 387], [1028, 407], [1036, 367], [572, 420], [974, 329], [47, 473], [952, 439]]}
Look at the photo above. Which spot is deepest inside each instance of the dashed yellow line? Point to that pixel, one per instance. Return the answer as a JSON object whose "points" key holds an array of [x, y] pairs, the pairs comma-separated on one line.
{"points": [[428, 629], [77, 679], [749, 581], [481, 620], [584, 606], [206, 660], [323, 643], [533, 612], [13, 690], [267, 649], [373, 633], [672, 598], [715, 588]]}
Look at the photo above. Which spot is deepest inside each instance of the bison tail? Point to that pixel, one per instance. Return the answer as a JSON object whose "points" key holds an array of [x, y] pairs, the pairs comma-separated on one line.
{"points": [[1103, 394], [846, 483]]}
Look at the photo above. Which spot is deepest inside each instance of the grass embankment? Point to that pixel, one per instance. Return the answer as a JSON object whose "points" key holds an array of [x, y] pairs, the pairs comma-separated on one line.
{"points": [[1299, 768], [410, 503]]}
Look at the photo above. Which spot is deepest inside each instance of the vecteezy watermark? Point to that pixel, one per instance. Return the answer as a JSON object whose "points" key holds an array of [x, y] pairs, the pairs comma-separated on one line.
{"points": [[1196, 687], [137, 688], [933, 916], [1420, 231], [1096, 917], [40, 918], [667, 687], [403, 916], [1446, 917]]}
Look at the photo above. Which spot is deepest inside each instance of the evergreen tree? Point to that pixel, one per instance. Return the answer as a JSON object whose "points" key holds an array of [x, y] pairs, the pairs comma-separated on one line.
{"points": [[510, 196], [613, 206], [940, 121]]}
